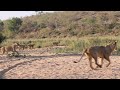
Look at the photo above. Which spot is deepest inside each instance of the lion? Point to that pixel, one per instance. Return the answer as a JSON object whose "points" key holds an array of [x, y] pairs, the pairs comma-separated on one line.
{"points": [[103, 52], [30, 46], [21, 46], [11, 48]]}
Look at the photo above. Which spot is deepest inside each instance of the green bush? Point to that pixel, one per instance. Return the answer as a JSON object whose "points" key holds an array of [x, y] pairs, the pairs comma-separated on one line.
{"points": [[2, 38]]}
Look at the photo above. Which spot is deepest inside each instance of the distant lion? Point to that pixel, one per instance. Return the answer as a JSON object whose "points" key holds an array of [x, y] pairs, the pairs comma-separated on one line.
{"points": [[103, 52], [11, 48], [21, 46], [30, 46]]}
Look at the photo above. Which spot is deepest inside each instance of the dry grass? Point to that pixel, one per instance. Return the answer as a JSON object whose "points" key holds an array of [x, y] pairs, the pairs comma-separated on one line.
{"points": [[73, 45]]}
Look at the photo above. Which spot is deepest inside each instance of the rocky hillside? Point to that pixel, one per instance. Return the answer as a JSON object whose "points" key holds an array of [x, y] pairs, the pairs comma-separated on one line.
{"points": [[63, 24]]}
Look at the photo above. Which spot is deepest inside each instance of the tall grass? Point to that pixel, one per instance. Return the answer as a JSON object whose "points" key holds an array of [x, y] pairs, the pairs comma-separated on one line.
{"points": [[73, 45]]}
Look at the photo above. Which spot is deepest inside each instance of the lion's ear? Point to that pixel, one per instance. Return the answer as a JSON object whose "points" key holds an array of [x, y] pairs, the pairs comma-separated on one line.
{"points": [[116, 42], [108, 41]]}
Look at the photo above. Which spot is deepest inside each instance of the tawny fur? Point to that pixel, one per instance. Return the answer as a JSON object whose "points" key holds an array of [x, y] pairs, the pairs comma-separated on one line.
{"points": [[6, 49], [30, 46], [103, 52], [21, 47]]}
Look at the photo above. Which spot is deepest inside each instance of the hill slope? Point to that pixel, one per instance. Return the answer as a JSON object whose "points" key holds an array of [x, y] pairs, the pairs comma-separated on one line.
{"points": [[64, 24]]}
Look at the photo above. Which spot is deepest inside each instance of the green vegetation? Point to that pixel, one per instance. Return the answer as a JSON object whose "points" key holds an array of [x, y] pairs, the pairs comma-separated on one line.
{"points": [[62, 24], [2, 38], [76, 30], [72, 45]]}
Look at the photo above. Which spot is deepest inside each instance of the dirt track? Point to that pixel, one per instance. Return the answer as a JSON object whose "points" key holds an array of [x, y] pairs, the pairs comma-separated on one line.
{"points": [[41, 64]]}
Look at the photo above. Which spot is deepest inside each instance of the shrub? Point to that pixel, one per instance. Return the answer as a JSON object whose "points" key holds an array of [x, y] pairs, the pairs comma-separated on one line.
{"points": [[2, 38]]}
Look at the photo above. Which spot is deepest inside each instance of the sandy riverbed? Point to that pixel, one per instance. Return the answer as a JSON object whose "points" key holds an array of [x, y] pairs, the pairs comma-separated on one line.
{"points": [[45, 65]]}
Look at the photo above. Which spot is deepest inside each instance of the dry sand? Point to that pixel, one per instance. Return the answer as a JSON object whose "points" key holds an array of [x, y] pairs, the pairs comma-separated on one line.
{"points": [[42, 64]]}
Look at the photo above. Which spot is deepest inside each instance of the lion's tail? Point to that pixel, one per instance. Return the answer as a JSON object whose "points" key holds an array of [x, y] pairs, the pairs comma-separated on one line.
{"points": [[81, 56]]}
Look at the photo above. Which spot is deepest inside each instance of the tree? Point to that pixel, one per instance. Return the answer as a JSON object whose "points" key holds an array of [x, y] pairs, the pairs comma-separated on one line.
{"points": [[39, 12], [36, 12], [1, 25], [2, 38], [14, 24], [28, 26]]}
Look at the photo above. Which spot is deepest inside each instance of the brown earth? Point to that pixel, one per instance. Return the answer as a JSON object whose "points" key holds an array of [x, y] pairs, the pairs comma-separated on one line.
{"points": [[42, 64]]}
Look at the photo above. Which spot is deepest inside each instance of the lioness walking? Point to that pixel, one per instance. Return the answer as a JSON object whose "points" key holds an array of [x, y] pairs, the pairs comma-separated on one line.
{"points": [[99, 51], [11, 48]]}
